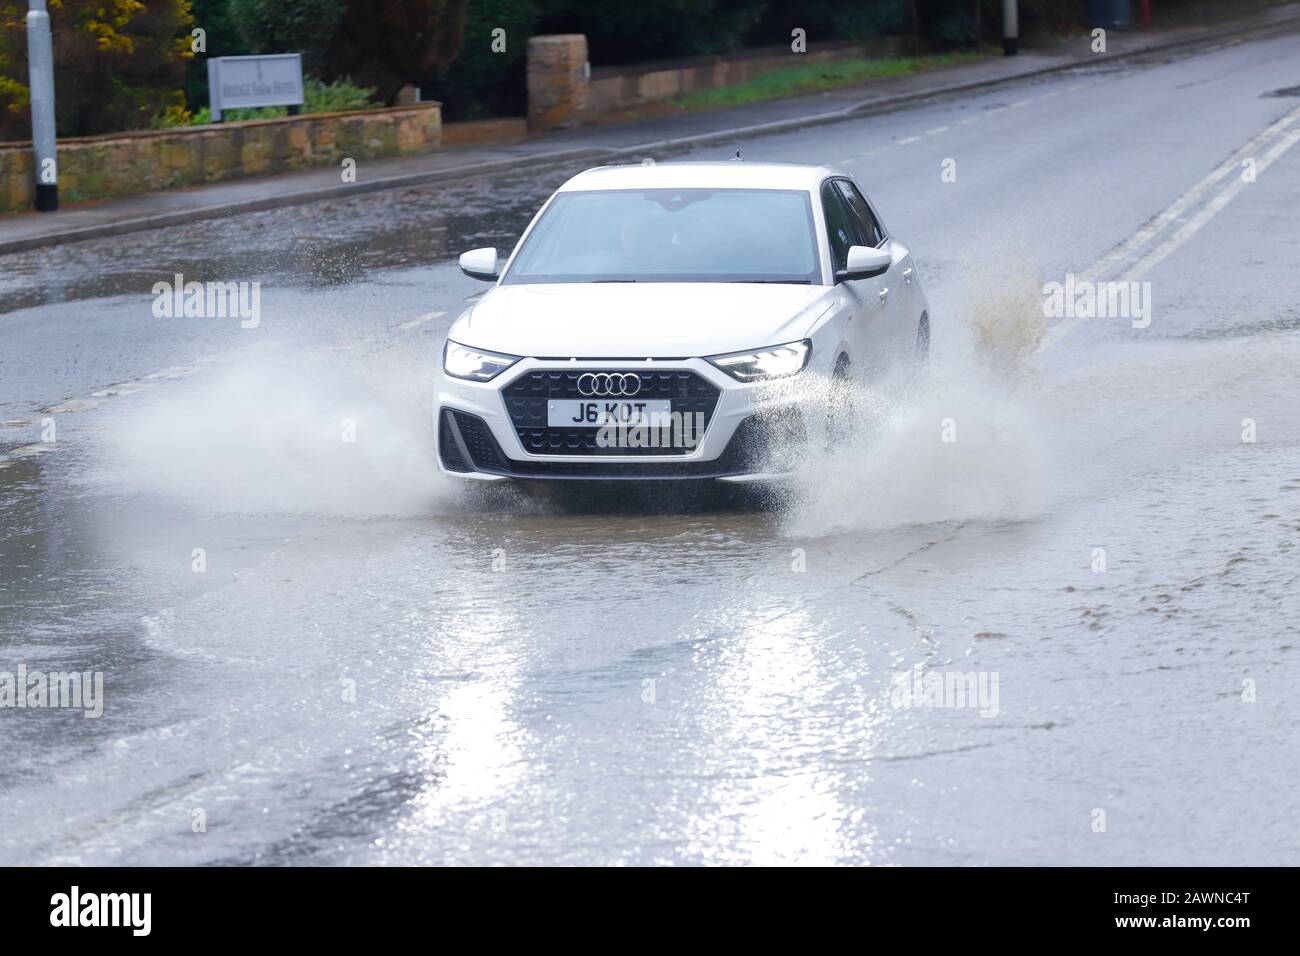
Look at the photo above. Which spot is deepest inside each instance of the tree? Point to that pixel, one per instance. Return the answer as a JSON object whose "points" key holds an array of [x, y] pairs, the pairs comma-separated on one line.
{"points": [[289, 26], [487, 78], [221, 38], [117, 64], [387, 44], [654, 29]]}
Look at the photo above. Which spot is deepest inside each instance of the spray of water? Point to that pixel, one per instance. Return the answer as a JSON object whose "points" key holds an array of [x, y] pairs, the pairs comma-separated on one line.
{"points": [[961, 441], [348, 433], [297, 431]]}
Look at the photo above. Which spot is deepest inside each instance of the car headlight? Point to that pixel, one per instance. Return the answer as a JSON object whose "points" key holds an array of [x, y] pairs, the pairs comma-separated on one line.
{"points": [[476, 365], [762, 364]]}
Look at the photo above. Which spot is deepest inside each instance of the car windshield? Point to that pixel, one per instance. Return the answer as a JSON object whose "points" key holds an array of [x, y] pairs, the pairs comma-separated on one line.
{"points": [[672, 235]]}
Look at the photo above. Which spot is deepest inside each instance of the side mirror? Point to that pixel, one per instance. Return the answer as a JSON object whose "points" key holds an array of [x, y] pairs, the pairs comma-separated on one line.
{"points": [[480, 264], [863, 263]]}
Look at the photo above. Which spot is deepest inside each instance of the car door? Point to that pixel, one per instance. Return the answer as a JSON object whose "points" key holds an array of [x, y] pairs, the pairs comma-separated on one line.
{"points": [[897, 286], [864, 328]]}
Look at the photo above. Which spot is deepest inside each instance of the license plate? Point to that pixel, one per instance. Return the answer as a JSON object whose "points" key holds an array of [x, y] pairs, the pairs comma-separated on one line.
{"points": [[584, 413]]}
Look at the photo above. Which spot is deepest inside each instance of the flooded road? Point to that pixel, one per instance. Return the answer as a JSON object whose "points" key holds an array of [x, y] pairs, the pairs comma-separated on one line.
{"points": [[316, 650]]}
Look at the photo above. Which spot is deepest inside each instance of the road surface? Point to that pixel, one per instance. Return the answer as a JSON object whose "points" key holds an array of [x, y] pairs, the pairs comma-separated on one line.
{"points": [[316, 651]]}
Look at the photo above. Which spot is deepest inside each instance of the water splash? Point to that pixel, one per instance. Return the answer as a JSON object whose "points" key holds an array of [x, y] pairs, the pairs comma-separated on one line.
{"points": [[322, 433], [961, 441]]}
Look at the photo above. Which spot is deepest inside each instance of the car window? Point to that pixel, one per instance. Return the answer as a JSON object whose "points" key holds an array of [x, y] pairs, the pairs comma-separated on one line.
{"points": [[672, 235], [841, 226], [867, 223]]}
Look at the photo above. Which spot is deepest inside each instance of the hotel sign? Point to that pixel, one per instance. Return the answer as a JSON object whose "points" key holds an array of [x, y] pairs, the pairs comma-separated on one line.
{"points": [[237, 82]]}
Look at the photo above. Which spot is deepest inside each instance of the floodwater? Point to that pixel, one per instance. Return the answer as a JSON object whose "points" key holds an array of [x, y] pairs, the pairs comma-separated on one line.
{"points": [[317, 650]]}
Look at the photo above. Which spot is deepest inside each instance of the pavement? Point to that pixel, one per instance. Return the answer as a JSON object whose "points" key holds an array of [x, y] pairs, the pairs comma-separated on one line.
{"points": [[612, 142]]}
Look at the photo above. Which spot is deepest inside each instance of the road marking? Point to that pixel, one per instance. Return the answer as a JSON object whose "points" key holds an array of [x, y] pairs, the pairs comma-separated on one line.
{"points": [[910, 139], [858, 158], [968, 119], [418, 321], [27, 451], [1179, 206], [1208, 212], [123, 388], [1275, 136], [936, 131], [1019, 103], [176, 371], [72, 406]]}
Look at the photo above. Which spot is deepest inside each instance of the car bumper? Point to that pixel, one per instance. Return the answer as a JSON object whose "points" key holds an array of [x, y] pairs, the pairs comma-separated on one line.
{"points": [[753, 432]]}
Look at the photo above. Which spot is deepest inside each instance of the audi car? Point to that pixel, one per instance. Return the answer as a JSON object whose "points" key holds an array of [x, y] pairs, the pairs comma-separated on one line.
{"points": [[676, 321]]}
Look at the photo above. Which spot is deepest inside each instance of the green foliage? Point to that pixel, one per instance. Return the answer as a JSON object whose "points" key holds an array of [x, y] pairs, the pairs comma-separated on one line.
{"points": [[123, 64], [318, 97], [221, 39], [632, 32], [289, 26], [388, 44], [485, 81], [949, 23], [117, 63], [815, 77], [831, 20]]}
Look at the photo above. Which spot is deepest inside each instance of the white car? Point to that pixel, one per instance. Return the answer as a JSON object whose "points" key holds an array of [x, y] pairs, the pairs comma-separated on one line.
{"points": [[675, 321]]}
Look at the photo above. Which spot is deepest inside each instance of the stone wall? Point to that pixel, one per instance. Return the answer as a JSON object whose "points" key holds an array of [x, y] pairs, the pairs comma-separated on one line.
{"points": [[564, 91], [620, 88], [122, 164], [558, 77]]}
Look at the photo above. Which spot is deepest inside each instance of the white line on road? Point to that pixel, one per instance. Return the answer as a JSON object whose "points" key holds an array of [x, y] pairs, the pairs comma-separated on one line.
{"points": [[909, 139], [936, 131], [1143, 236], [124, 388], [1208, 212], [1174, 213], [418, 321]]}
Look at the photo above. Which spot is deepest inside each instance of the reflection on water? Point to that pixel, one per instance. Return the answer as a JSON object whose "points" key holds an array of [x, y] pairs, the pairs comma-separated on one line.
{"points": [[325, 243], [779, 800]]}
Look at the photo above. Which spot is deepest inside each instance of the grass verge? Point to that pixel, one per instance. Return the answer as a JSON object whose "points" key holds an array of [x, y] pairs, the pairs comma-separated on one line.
{"points": [[816, 77]]}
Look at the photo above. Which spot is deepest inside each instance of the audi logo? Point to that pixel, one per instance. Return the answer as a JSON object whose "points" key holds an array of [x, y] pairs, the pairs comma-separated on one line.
{"points": [[625, 384]]}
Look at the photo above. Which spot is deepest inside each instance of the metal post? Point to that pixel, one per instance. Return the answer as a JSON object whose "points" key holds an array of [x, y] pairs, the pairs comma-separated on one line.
{"points": [[1010, 28], [214, 94], [40, 66]]}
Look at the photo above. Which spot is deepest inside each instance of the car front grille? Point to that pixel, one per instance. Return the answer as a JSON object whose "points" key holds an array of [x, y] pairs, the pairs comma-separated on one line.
{"points": [[760, 443], [527, 395]]}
